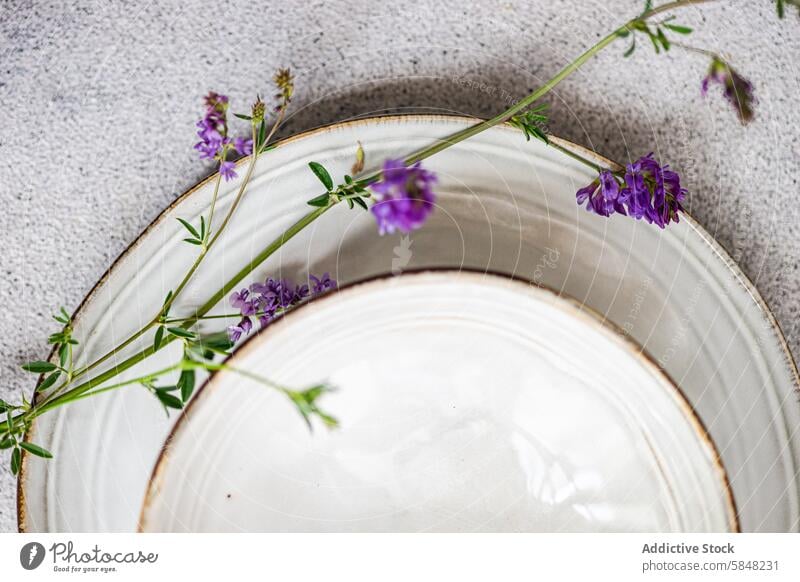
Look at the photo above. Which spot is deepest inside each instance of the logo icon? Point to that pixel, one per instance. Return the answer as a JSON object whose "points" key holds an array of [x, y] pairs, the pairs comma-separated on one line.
{"points": [[402, 255], [31, 555]]}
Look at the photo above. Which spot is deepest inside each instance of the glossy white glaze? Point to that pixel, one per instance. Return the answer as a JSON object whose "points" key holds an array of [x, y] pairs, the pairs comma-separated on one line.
{"points": [[467, 402]]}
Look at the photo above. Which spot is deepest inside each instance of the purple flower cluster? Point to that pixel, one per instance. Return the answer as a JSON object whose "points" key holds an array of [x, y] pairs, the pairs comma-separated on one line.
{"points": [[647, 191], [213, 133], [736, 89], [404, 197], [272, 297]]}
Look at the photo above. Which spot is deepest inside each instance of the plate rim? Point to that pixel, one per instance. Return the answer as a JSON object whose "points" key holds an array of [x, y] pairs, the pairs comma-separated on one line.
{"points": [[563, 301], [725, 257]]}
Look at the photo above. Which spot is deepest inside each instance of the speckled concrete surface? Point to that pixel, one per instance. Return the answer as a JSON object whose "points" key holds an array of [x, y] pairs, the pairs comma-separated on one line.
{"points": [[99, 101]]}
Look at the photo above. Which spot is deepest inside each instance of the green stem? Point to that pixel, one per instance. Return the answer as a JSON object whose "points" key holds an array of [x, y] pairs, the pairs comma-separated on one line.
{"points": [[213, 205], [138, 380], [247, 374], [670, 6], [206, 248], [445, 143], [699, 51], [220, 316], [204, 251], [189, 274], [233, 208], [290, 233], [575, 156]]}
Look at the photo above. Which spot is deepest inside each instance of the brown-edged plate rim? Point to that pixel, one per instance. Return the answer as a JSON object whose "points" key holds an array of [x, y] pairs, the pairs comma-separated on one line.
{"points": [[561, 300], [735, 270]]}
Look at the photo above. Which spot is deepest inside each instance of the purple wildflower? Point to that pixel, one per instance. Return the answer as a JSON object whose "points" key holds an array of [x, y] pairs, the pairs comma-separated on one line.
{"points": [[736, 89], [211, 140], [215, 101], [213, 128], [242, 301], [323, 284], [213, 133], [243, 145], [602, 196], [270, 298], [301, 292], [651, 192], [227, 170], [279, 292], [237, 331], [404, 197]]}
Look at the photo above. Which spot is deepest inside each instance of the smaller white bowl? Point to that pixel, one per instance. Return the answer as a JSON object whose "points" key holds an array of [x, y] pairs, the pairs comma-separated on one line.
{"points": [[467, 402]]}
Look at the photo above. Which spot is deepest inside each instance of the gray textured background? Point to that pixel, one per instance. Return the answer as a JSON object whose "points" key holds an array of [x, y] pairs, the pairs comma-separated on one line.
{"points": [[99, 101]]}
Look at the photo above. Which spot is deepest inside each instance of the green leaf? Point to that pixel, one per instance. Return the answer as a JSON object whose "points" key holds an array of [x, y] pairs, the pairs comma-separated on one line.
{"points": [[159, 337], [663, 38], [39, 367], [654, 40], [62, 317], [205, 352], [167, 399], [36, 450], [780, 7], [192, 241], [202, 227], [181, 332], [261, 137], [16, 460], [330, 421], [63, 355], [216, 341], [322, 200], [168, 297], [48, 381], [530, 121], [679, 29], [306, 403], [631, 48], [243, 116], [190, 228], [186, 384], [323, 175], [7, 442], [360, 201], [4, 405]]}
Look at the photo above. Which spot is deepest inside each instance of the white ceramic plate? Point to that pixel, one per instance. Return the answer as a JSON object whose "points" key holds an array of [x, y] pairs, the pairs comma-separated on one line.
{"points": [[504, 204], [466, 402]]}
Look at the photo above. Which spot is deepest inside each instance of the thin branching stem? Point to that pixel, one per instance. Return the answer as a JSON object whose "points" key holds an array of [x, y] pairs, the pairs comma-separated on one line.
{"points": [[59, 396]]}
